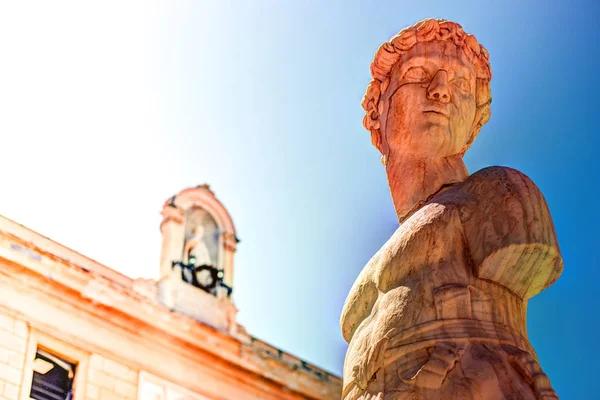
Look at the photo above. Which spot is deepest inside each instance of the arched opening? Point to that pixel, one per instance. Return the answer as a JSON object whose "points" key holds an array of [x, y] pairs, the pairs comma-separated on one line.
{"points": [[202, 244], [202, 254]]}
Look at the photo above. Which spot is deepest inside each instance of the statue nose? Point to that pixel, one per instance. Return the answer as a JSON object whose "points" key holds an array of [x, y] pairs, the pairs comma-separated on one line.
{"points": [[438, 89]]}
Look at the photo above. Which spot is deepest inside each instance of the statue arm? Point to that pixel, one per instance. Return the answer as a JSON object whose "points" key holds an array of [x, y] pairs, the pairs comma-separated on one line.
{"points": [[360, 302], [509, 232]]}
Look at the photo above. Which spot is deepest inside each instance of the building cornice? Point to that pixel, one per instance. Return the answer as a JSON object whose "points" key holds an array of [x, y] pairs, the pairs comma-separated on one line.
{"points": [[55, 275]]}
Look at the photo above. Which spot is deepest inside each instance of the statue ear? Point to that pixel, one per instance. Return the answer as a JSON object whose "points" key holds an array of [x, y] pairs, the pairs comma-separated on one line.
{"points": [[382, 111], [371, 120]]}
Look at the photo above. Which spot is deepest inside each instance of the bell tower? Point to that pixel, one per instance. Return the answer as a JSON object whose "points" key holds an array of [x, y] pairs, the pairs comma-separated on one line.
{"points": [[196, 262]]}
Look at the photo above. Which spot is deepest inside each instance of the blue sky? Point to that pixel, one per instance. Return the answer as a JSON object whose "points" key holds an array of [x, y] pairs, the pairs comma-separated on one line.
{"points": [[108, 109]]}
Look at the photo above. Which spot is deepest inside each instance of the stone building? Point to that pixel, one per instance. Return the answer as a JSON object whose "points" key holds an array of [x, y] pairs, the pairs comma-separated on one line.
{"points": [[71, 328]]}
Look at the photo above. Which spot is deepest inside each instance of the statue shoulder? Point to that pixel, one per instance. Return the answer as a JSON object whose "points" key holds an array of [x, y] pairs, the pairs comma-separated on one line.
{"points": [[500, 180], [509, 230], [501, 189]]}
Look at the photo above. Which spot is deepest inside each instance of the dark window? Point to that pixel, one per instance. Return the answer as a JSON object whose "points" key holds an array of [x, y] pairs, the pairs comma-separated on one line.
{"points": [[52, 377]]}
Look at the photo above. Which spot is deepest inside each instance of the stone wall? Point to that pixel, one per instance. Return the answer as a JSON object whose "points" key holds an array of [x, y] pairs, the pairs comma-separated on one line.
{"points": [[13, 347], [110, 380]]}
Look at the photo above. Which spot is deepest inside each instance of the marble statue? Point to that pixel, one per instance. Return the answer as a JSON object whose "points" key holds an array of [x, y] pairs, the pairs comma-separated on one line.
{"points": [[440, 311], [196, 249]]}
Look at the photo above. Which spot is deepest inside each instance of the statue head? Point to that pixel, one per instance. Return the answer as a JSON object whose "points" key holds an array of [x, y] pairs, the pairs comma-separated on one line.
{"points": [[198, 230], [430, 93]]}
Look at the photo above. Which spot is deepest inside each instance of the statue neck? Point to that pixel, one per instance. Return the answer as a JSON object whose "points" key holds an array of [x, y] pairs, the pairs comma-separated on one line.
{"points": [[414, 180]]}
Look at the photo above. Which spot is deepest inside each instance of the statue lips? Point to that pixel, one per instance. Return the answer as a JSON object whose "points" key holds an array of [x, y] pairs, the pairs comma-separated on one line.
{"points": [[437, 114], [432, 110]]}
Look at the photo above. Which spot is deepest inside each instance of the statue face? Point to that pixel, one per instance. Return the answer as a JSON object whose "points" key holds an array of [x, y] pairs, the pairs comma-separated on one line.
{"points": [[432, 108]]}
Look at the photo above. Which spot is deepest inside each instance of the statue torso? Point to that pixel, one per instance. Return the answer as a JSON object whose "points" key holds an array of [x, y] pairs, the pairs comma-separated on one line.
{"points": [[425, 284]]}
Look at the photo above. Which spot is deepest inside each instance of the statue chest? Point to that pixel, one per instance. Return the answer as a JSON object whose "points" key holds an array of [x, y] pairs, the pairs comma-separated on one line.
{"points": [[426, 251]]}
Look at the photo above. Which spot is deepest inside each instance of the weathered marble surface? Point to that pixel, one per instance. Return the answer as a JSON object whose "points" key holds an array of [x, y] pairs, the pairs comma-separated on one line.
{"points": [[440, 311]]}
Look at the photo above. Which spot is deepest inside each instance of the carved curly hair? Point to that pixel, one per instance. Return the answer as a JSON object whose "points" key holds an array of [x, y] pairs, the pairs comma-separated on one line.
{"points": [[427, 30]]}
